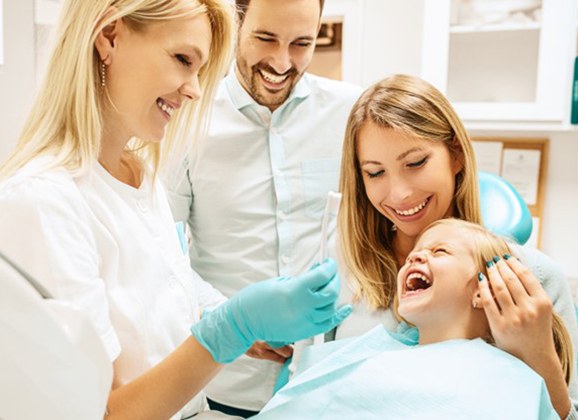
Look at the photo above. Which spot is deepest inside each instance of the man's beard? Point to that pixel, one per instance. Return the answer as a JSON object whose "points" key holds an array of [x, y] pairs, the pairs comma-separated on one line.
{"points": [[259, 92]]}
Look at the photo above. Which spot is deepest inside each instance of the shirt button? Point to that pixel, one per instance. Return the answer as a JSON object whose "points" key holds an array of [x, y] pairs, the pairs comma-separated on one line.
{"points": [[285, 259]]}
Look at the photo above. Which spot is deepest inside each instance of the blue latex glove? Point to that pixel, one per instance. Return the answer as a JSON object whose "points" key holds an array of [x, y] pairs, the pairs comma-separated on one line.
{"points": [[283, 309]]}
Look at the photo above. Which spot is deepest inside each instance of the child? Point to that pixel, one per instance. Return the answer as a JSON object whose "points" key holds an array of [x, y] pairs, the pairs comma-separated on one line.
{"points": [[454, 371]]}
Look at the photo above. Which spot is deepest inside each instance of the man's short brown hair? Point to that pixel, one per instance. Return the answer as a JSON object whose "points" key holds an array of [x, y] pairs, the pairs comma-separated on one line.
{"points": [[243, 5]]}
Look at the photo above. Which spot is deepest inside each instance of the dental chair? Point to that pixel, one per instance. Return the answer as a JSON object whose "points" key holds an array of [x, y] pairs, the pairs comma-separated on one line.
{"points": [[53, 363], [504, 211]]}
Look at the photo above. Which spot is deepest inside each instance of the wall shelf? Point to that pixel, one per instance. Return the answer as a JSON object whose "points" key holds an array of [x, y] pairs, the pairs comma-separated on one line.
{"points": [[498, 27], [520, 126]]}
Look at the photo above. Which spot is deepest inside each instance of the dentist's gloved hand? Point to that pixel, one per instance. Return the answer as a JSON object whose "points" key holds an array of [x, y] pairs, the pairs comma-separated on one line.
{"points": [[283, 309]]}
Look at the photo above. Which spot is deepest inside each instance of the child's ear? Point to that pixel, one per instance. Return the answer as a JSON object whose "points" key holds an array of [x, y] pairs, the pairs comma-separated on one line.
{"points": [[477, 301]]}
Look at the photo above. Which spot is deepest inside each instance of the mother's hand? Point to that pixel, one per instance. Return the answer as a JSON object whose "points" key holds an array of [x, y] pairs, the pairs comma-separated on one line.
{"points": [[520, 316], [519, 311]]}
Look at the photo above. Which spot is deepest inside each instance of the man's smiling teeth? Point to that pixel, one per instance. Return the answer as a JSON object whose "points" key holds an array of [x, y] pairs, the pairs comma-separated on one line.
{"points": [[270, 77], [417, 281], [413, 211], [165, 107]]}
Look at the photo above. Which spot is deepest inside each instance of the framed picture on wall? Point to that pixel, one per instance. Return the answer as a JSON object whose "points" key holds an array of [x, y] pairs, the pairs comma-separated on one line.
{"points": [[523, 163]]}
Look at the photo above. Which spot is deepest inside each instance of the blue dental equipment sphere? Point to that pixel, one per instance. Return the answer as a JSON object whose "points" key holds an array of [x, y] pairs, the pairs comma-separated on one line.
{"points": [[504, 211]]}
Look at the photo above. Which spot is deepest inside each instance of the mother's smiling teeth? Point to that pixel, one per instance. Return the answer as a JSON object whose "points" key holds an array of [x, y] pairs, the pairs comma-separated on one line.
{"points": [[412, 211], [270, 77], [165, 107]]}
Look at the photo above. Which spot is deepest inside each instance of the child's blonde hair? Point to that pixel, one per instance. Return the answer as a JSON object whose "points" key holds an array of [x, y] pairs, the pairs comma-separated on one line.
{"points": [[486, 246]]}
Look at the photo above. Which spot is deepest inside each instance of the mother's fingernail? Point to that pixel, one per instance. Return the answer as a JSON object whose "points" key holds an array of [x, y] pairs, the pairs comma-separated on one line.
{"points": [[507, 256], [489, 263], [480, 277], [496, 259]]}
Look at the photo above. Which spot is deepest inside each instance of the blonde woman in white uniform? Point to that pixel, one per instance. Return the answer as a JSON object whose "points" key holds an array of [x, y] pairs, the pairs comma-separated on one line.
{"points": [[82, 208]]}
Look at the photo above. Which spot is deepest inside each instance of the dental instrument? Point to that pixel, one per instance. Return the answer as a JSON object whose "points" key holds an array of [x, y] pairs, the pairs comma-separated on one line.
{"points": [[328, 225]]}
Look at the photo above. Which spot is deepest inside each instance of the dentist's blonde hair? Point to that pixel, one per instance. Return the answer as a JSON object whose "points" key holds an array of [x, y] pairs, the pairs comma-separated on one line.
{"points": [[486, 246], [66, 117], [414, 107]]}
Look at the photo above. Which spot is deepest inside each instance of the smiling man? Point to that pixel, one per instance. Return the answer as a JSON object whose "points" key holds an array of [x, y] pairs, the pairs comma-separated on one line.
{"points": [[271, 60], [255, 199]]}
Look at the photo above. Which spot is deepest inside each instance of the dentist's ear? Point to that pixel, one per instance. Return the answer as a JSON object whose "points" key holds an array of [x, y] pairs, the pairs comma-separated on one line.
{"points": [[106, 39]]}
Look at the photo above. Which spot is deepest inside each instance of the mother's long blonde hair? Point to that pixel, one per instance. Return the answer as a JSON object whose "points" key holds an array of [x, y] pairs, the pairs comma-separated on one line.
{"points": [[66, 117], [486, 246], [414, 107]]}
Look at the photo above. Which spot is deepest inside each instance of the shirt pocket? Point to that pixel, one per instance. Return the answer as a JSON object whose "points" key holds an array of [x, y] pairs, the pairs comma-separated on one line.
{"points": [[319, 176]]}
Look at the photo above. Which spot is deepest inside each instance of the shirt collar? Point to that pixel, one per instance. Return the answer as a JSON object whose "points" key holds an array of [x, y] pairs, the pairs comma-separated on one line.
{"points": [[241, 98]]}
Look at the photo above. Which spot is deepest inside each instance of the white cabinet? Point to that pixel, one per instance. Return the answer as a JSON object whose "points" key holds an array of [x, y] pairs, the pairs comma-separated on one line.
{"points": [[517, 69], [380, 37]]}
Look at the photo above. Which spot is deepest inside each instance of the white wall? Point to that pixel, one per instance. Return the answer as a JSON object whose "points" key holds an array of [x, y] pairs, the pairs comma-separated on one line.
{"points": [[17, 82], [560, 233], [392, 38]]}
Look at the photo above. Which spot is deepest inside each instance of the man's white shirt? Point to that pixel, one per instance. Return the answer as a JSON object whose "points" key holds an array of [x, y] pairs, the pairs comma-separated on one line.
{"points": [[254, 194]]}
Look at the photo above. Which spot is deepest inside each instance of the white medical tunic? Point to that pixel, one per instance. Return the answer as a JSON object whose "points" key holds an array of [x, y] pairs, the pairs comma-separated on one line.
{"points": [[254, 195], [112, 250]]}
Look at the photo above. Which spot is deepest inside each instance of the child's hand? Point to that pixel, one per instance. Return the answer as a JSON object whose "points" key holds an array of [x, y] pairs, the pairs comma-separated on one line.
{"points": [[266, 351], [519, 312]]}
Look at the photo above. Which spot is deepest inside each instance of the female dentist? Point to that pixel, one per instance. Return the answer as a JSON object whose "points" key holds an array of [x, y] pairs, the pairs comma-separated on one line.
{"points": [[83, 210]]}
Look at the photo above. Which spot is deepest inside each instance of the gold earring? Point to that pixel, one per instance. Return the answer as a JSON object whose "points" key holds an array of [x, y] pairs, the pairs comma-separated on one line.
{"points": [[102, 74]]}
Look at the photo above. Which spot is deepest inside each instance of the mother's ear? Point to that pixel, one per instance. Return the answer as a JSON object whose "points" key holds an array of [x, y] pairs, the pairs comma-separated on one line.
{"points": [[106, 40], [457, 156]]}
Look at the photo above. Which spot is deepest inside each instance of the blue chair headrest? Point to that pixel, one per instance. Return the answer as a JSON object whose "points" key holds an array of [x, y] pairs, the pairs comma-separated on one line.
{"points": [[504, 212]]}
